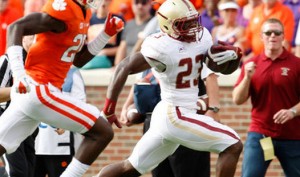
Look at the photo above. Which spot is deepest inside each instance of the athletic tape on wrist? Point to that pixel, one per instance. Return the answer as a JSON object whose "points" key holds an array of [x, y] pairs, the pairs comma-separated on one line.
{"points": [[109, 107], [98, 43], [15, 58]]}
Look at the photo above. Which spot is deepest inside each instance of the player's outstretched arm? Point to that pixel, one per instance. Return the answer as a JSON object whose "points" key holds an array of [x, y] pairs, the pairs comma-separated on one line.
{"points": [[113, 25], [31, 24], [130, 65]]}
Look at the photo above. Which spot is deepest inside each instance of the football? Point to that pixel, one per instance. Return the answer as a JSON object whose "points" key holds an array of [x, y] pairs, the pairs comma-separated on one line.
{"points": [[134, 117], [227, 67], [213, 65], [234, 64], [202, 104]]}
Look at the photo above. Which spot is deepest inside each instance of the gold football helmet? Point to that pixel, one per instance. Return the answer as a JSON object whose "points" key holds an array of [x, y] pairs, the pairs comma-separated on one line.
{"points": [[180, 20]]}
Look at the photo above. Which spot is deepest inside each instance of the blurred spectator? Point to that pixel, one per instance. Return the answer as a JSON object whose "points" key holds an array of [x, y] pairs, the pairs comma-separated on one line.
{"points": [[8, 14], [197, 3], [33, 6], [17, 4], [294, 5], [141, 9], [268, 9], [229, 31], [106, 57], [246, 11], [151, 27], [156, 4], [122, 8], [242, 3], [210, 16], [297, 41]]}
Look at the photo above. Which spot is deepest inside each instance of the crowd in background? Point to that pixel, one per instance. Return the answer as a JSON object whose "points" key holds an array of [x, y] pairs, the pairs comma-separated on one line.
{"points": [[236, 22]]}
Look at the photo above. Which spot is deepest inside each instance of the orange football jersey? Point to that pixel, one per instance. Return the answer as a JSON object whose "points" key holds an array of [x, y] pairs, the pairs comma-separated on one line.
{"points": [[50, 57]]}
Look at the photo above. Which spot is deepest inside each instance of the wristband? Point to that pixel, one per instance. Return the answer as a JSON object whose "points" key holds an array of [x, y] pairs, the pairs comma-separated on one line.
{"points": [[294, 111], [214, 109], [15, 58], [109, 107], [98, 43]]}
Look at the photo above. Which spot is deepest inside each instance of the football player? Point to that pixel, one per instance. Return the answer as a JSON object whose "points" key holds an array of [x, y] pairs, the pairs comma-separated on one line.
{"points": [[176, 55], [61, 30]]}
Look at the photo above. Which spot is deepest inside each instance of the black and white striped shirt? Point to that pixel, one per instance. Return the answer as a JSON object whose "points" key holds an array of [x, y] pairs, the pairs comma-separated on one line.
{"points": [[5, 77]]}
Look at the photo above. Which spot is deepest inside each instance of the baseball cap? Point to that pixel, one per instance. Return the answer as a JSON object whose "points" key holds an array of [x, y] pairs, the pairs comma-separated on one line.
{"points": [[228, 5]]}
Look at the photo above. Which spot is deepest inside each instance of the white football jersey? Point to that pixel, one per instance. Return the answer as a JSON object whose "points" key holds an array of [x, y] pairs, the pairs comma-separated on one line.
{"points": [[183, 61]]}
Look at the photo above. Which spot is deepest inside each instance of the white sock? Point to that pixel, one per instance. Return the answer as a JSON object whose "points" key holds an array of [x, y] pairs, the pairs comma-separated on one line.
{"points": [[75, 169]]}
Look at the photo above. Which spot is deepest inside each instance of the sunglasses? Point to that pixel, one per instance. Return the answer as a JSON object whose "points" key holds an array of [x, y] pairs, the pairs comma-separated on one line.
{"points": [[276, 32], [143, 2]]}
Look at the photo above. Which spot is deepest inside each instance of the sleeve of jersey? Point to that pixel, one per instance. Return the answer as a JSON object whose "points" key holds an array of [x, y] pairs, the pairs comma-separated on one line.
{"points": [[151, 48], [59, 10], [205, 72], [207, 38]]}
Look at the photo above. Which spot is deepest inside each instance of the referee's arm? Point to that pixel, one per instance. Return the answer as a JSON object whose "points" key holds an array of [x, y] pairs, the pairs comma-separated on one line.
{"points": [[4, 94]]}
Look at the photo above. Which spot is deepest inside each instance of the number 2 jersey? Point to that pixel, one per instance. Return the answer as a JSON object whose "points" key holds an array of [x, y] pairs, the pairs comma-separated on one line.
{"points": [[183, 61], [50, 57]]}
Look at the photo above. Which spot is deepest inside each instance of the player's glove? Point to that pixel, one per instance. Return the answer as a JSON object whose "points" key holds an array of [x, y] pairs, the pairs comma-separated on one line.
{"points": [[15, 58], [21, 84], [108, 112], [113, 25], [227, 53]]}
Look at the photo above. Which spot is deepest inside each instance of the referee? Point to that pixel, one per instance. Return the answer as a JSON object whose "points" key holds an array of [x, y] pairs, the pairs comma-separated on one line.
{"points": [[21, 162]]}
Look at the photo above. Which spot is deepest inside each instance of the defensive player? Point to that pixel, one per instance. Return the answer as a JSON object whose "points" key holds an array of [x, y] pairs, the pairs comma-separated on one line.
{"points": [[176, 55], [61, 30]]}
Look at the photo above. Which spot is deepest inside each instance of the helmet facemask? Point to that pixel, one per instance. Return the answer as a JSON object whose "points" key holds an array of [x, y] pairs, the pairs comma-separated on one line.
{"points": [[180, 20], [187, 29]]}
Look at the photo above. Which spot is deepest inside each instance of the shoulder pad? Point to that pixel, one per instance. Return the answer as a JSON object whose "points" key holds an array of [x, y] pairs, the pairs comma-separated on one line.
{"points": [[153, 46]]}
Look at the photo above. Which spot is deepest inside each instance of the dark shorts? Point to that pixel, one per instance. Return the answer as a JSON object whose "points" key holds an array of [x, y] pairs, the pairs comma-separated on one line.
{"points": [[51, 165], [22, 161]]}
